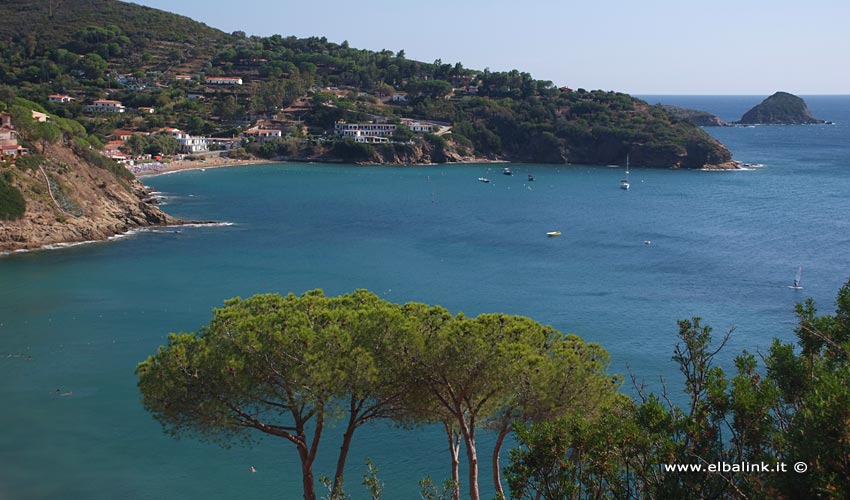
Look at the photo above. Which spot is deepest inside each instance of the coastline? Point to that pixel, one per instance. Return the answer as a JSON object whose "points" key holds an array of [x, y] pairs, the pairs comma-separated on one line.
{"points": [[166, 228], [185, 165]]}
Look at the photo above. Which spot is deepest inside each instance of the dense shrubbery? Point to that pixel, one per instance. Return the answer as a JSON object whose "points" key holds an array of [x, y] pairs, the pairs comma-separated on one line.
{"points": [[12, 203], [793, 411]]}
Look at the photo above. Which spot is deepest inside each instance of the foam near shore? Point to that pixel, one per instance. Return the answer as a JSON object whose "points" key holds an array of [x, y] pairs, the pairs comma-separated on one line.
{"points": [[173, 228]]}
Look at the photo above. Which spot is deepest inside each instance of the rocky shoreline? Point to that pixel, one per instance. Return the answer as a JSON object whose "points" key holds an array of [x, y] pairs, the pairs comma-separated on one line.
{"points": [[70, 200]]}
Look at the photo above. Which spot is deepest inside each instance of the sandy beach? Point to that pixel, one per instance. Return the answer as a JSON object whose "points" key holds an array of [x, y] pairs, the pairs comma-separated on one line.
{"points": [[178, 165], [150, 169]]}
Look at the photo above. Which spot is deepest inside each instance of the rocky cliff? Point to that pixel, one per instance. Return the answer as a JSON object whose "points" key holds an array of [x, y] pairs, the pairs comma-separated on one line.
{"points": [[69, 199], [781, 108]]}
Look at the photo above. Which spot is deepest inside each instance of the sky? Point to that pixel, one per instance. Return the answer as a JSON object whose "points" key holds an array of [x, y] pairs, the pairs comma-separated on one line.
{"points": [[736, 47]]}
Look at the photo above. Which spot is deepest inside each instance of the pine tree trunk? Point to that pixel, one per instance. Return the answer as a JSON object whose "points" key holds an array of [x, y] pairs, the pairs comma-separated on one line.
{"points": [[454, 450], [307, 474], [343, 454], [472, 458], [497, 450]]}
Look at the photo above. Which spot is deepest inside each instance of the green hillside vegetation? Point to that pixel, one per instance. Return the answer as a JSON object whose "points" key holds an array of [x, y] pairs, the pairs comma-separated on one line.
{"points": [[43, 36], [12, 203], [120, 51]]}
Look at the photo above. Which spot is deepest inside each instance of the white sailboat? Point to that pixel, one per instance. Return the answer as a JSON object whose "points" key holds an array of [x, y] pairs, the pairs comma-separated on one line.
{"points": [[624, 184], [797, 283]]}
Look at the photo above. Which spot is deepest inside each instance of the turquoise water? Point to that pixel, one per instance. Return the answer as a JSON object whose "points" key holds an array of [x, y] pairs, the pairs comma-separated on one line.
{"points": [[725, 245]]}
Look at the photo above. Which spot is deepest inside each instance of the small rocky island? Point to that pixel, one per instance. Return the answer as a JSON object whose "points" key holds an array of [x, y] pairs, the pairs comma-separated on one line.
{"points": [[781, 108]]}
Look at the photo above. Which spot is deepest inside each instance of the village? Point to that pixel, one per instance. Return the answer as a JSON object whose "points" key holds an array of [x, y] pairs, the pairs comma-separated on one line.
{"points": [[145, 149]]}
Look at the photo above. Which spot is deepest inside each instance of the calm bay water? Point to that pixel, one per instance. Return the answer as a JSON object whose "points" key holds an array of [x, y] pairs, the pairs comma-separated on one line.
{"points": [[725, 245]]}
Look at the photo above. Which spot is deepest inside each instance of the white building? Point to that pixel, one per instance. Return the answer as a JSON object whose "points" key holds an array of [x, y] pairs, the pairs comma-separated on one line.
{"points": [[105, 106], [344, 129], [418, 127], [189, 144], [399, 98], [224, 80], [378, 132]]}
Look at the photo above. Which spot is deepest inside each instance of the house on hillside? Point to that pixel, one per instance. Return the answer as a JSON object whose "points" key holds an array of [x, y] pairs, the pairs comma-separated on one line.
{"points": [[399, 98], [183, 78], [39, 117], [417, 126], [60, 98], [224, 80], [145, 110], [262, 134], [9, 137], [124, 134], [105, 106]]}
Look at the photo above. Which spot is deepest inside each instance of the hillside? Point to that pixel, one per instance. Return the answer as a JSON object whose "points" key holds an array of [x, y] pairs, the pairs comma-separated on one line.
{"points": [[148, 38], [781, 108], [149, 59], [695, 116]]}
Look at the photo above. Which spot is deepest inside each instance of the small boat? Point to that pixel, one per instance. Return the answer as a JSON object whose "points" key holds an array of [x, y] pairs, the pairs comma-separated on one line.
{"points": [[507, 171], [530, 177], [552, 234], [483, 179], [797, 285], [624, 184]]}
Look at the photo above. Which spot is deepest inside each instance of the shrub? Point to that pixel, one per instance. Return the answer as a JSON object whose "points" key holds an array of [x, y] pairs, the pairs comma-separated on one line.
{"points": [[12, 203]]}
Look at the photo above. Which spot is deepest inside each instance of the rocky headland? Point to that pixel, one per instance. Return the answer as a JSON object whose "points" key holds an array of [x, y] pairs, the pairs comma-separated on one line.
{"points": [[70, 199]]}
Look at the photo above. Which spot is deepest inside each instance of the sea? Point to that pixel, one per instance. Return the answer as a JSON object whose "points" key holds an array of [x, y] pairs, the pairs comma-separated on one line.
{"points": [[723, 246]]}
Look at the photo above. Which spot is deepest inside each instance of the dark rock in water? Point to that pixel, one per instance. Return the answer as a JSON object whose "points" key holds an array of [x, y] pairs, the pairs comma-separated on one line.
{"points": [[781, 108], [697, 117]]}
